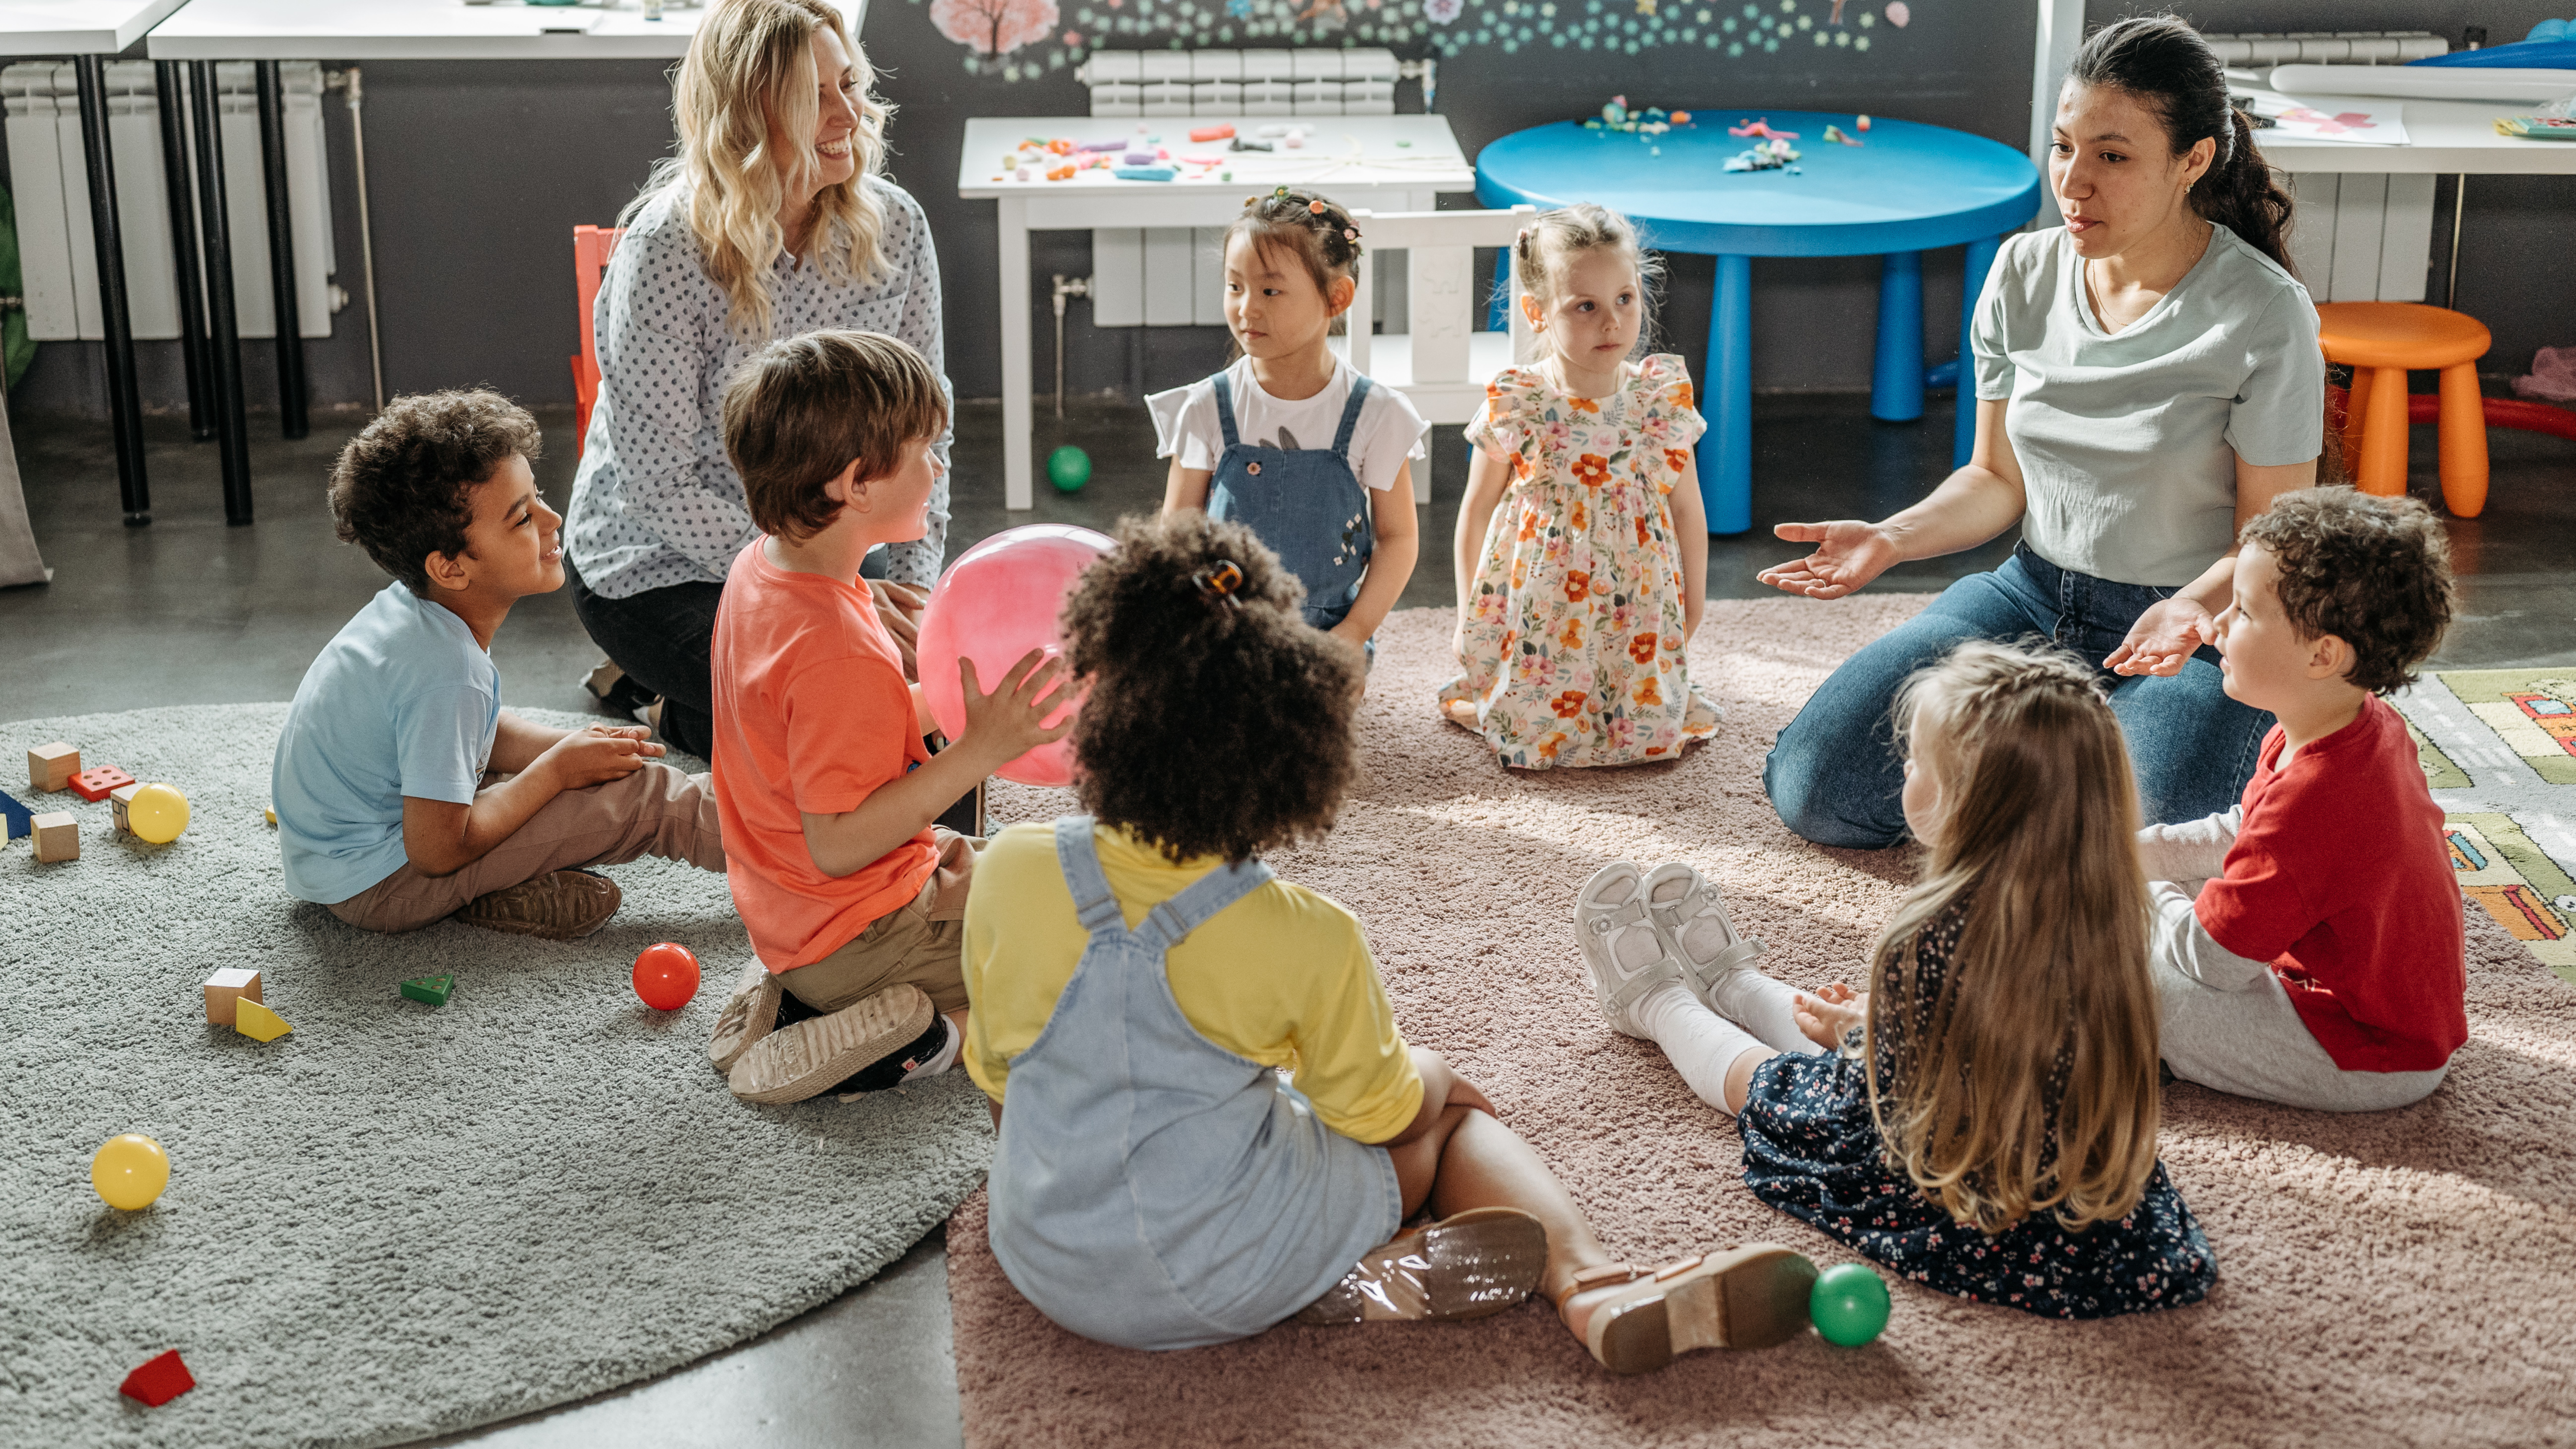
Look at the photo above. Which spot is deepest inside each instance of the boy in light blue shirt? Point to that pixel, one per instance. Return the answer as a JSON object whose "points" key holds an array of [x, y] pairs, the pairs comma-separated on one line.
{"points": [[404, 792]]}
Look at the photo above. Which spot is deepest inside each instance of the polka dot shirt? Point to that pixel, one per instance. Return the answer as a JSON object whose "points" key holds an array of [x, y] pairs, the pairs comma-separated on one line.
{"points": [[656, 502]]}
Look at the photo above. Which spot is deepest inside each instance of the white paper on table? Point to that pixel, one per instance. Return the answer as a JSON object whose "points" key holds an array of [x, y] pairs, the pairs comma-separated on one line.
{"points": [[2332, 118]]}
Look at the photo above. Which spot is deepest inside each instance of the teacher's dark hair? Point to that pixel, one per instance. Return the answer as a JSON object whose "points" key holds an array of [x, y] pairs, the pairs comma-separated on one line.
{"points": [[2165, 64]]}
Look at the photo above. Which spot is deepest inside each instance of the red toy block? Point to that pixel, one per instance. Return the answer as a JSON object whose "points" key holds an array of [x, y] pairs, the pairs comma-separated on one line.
{"points": [[159, 1381], [96, 785]]}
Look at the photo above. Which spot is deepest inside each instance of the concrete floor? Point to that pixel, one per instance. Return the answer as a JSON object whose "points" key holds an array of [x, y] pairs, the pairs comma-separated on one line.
{"points": [[188, 611]]}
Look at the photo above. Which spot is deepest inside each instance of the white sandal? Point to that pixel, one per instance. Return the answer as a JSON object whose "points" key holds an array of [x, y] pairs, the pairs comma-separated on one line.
{"points": [[1753, 1297], [1696, 931], [1610, 920]]}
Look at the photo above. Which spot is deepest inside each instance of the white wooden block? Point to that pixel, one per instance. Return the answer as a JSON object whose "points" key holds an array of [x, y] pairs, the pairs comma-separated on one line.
{"points": [[226, 990]]}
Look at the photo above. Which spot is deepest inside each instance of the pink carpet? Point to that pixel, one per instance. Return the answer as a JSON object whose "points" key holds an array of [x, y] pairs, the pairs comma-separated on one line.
{"points": [[2407, 1278]]}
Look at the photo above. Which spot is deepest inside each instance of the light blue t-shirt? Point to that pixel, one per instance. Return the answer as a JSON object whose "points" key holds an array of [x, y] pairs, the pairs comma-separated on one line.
{"points": [[402, 701]]}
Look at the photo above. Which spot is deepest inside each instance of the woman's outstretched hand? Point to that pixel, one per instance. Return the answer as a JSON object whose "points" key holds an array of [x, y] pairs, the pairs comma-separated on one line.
{"points": [[1848, 555], [2163, 639]]}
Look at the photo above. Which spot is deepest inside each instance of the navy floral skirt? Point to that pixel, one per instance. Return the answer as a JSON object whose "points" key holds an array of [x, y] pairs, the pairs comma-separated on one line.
{"points": [[1811, 1150]]}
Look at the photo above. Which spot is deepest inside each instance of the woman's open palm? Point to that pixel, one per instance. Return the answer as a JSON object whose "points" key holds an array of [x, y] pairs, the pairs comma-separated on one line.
{"points": [[1849, 554]]}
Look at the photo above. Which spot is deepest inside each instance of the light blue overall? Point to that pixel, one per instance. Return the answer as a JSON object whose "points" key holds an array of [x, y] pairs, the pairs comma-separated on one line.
{"points": [[1153, 1190], [1306, 504]]}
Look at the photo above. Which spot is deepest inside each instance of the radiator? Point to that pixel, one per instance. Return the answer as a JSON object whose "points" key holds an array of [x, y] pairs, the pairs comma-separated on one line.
{"points": [[50, 183], [1175, 276], [2359, 236], [2321, 47]]}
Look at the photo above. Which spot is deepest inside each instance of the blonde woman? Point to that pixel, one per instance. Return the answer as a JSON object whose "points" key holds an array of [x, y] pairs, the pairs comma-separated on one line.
{"points": [[1983, 1119], [774, 220]]}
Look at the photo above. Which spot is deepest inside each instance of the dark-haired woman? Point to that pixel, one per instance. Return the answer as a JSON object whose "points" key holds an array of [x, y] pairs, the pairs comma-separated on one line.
{"points": [[2147, 379], [1209, 1121]]}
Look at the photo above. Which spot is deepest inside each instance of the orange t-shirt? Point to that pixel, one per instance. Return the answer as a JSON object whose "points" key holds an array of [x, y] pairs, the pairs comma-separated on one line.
{"points": [[812, 715]]}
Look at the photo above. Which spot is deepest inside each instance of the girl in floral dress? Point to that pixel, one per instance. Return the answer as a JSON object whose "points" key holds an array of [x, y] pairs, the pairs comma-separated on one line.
{"points": [[1582, 547]]}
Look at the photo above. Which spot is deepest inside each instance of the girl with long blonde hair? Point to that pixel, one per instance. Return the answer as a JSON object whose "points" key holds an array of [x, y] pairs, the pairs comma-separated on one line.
{"points": [[1983, 1119], [774, 219]]}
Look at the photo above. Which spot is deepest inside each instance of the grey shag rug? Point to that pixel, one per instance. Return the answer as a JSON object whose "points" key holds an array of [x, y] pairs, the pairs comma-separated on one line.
{"points": [[398, 1220]]}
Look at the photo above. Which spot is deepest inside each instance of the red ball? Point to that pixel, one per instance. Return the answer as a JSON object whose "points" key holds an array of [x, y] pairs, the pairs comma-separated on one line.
{"points": [[666, 976]]}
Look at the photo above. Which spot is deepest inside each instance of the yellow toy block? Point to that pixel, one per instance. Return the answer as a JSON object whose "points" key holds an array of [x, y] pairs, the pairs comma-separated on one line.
{"points": [[225, 990], [51, 767], [57, 837], [272, 815], [257, 1022]]}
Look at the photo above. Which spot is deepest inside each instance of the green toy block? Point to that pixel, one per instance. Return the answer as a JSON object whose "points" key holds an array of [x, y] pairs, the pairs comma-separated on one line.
{"points": [[431, 989]]}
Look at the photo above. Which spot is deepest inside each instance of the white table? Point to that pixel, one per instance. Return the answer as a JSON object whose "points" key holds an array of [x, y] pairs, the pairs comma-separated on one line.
{"points": [[90, 31], [1383, 163], [2442, 137], [429, 30]]}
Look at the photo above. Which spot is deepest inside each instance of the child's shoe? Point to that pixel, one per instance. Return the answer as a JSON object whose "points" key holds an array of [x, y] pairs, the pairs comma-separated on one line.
{"points": [[1481, 1261], [561, 905], [1693, 919], [814, 1056], [1753, 1297], [749, 1014], [1624, 953]]}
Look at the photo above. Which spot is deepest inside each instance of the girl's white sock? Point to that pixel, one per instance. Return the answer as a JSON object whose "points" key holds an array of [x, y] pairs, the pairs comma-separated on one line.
{"points": [[1700, 1043], [1764, 1006]]}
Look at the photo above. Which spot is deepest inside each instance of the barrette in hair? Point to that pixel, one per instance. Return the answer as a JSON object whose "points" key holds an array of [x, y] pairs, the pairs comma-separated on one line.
{"points": [[1280, 193], [1251, 201], [1219, 580], [1350, 233], [1316, 207]]}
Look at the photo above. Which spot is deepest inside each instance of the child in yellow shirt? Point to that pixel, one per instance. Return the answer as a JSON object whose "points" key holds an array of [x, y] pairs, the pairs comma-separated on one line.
{"points": [[1209, 1119]]}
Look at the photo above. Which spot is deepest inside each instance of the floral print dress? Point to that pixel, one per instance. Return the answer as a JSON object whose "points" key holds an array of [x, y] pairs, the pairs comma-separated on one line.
{"points": [[1812, 1150], [1571, 651]]}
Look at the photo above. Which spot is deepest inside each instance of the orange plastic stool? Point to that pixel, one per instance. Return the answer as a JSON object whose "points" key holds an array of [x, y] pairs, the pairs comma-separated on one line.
{"points": [[2380, 341]]}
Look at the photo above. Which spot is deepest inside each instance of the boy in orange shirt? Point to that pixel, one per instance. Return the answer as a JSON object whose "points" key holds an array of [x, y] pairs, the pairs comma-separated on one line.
{"points": [[855, 901]]}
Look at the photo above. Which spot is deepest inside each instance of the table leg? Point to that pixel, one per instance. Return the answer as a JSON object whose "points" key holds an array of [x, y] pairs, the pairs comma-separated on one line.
{"points": [[215, 241], [1726, 453], [1981, 260], [124, 401], [1018, 467], [1896, 382], [170, 83], [281, 249]]}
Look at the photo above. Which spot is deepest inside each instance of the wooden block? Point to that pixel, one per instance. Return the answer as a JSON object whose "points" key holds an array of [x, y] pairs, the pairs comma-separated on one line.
{"points": [[15, 819], [51, 767], [256, 1021], [117, 800], [57, 837], [97, 783], [225, 990], [432, 990], [158, 1381]]}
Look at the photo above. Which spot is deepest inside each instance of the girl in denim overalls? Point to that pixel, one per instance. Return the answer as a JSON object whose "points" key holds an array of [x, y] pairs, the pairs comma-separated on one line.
{"points": [[1209, 1120], [1288, 439]]}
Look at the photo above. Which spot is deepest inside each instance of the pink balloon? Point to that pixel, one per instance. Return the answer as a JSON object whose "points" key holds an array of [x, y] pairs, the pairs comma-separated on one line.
{"points": [[994, 605]]}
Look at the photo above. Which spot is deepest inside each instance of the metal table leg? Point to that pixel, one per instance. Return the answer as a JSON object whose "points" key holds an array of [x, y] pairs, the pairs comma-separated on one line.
{"points": [[124, 400], [1896, 381], [1725, 458], [224, 334], [1981, 260], [172, 84], [281, 250]]}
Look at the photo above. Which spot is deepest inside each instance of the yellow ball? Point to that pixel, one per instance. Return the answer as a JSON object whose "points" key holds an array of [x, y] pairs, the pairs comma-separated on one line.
{"points": [[157, 813], [130, 1171]]}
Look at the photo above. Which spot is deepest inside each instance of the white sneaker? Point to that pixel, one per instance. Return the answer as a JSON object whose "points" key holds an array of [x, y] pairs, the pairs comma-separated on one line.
{"points": [[1622, 950], [1692, 917]]}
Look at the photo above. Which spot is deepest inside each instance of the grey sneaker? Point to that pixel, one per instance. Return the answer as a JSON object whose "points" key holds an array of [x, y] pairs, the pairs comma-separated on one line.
{"points": [[562, 905], [749, 1014], [812, 1057]]}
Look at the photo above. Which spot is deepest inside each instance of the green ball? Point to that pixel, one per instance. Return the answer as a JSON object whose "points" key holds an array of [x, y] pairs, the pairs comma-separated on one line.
{"points": [[1068, 468], [1849, 1304]]}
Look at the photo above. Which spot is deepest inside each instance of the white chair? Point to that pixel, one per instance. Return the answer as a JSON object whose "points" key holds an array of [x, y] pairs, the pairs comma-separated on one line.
{"points": [[1440, 360]]}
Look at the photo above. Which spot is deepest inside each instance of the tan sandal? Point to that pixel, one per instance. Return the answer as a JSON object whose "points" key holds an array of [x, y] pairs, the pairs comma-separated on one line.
{"points": [[1752, 1297], [1481, 1261]]}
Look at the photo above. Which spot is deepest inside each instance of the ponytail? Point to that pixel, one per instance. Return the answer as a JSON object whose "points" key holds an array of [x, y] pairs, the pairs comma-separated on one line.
{"points": [[2167, 66]]}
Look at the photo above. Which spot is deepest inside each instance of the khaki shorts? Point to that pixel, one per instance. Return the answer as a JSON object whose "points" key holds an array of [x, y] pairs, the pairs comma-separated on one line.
{"points": [[922, 943]]}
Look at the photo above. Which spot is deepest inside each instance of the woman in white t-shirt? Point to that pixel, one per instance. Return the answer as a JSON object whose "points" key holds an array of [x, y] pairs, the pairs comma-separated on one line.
{"points": [[2147, 380], [1289, 439]]}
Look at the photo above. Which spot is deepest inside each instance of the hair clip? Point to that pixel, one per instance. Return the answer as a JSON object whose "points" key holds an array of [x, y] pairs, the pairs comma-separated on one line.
{"points": [[1280, 193], [1317, 207], [1350, 233], [1250, 202], [1219, 580]]}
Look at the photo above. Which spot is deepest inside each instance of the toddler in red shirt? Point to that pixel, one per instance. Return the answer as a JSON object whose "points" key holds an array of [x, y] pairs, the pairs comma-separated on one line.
{"points": [[854, 900], [2322, 963]]}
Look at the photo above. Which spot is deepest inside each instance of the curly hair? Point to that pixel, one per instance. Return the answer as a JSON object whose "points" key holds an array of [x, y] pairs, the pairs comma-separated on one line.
{"points": [[1217, 723], [2373, 572], [801, 410], [403, 488], [1314, 230]]}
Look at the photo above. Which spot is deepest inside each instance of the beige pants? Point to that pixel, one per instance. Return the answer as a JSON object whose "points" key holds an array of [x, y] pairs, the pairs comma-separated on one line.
{"points": [[923, 942], [655, 811]]}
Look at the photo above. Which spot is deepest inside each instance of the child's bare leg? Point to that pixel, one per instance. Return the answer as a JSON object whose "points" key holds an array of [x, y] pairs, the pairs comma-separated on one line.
{"points": [[1469, 1160]]}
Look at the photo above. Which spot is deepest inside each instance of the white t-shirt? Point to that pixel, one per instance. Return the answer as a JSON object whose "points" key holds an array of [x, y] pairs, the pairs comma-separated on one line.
{"points": [[1389, 430]]}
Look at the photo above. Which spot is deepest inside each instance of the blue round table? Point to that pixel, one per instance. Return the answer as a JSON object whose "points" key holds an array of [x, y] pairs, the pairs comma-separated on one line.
{"points": [[1906, 189]]}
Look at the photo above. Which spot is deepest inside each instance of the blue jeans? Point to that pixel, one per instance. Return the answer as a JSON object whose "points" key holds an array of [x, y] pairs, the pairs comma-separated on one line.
{"points": [[1835, 774]]}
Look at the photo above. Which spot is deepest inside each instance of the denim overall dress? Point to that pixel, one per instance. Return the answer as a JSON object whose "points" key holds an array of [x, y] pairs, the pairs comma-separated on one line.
{"points": [[1306, 504], [1151, 1189]]}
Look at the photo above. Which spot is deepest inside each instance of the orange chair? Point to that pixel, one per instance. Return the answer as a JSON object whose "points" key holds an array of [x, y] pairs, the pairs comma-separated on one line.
{"points": [[2380, 341], [591, 246]]}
